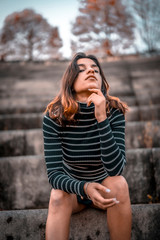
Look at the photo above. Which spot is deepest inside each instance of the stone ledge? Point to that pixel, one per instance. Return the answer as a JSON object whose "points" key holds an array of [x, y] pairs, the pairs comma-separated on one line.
{"points": [[30, 142], [20, 189], [30, 224], [34, 120]]}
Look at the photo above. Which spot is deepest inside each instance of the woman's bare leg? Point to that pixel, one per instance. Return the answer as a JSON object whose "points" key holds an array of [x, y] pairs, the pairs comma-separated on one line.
{"points": [[119, 217], [61, 207]]}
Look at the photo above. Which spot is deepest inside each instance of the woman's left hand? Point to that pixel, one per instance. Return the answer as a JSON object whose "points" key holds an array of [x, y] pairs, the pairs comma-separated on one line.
{"points": [[99, 101]]}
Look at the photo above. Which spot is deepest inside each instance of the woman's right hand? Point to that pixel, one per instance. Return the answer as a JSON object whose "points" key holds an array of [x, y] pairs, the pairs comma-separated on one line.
{"points": [[99, 195]]}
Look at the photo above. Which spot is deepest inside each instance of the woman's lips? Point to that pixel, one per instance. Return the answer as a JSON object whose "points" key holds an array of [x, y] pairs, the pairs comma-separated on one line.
{"points": [[91, 77]]}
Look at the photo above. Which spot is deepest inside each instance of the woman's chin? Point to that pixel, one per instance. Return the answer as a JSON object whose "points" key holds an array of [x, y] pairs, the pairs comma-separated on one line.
{"points": [[91, 86]]}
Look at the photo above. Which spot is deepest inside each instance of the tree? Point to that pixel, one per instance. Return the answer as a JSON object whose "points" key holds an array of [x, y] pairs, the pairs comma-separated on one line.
{"points": [[27, 35], [103, 25], [147, 19]]}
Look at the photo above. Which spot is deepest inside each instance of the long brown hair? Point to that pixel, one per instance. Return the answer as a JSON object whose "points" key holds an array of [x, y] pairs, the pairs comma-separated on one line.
{"points": [[64, 106]]}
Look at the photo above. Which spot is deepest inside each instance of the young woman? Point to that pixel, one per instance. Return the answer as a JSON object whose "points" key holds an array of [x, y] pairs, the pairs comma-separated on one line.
{"points": [[84, 145]]}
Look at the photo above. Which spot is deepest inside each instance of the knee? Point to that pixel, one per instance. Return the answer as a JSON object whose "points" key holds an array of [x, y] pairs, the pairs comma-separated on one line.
{"points": [[121, 189], [118, 186], [58, 198]]}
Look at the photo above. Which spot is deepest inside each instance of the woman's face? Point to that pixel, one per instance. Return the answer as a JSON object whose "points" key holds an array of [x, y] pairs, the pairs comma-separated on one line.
{"points": [[88, 77]]}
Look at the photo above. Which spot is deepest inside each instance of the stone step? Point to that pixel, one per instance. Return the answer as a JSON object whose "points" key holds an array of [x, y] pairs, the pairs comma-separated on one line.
{"points": [[30, 224], [36, 105], [34, 120], [25, 183], [23, 105], [146, 85], [143, 113], [30, 142], [21, 121]]}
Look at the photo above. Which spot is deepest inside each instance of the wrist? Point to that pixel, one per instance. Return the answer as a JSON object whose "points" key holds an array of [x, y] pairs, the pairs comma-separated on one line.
{"points": [[85, 189], [101, 118]]}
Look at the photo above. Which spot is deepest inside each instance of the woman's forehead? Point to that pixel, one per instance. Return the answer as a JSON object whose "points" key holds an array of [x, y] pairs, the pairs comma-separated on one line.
{"points": [[86, 62]]}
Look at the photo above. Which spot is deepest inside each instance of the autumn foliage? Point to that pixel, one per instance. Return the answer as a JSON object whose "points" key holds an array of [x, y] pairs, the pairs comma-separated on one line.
{"points": [[27, 35], [103, 26]]}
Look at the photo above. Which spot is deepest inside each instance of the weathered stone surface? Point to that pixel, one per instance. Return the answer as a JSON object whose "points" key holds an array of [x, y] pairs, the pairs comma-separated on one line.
{"points": [[36, 105], [30, 224], [156, 170], [143, 113], [34, 142], [21, 142], [23, 224], [150, 112], [30, 142], [12, 143], [146, 83], [23, 183], [146, 222], [142, 134], [22, 105], [34, 120], [130, 100], [139, 174], [21, 121]]}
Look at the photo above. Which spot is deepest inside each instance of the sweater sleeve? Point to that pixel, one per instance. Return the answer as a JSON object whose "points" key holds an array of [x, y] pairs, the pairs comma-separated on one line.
{"points": [[54, 160], [112, 142]]}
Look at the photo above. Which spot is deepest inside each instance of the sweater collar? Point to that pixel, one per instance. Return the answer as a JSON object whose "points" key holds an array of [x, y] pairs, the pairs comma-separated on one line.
{"points": [[83, 105]]}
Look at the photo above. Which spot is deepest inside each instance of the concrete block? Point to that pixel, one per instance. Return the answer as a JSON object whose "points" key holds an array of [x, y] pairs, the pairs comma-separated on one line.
{"points": [[21, 121], [23, 183], [21, 142], [142, 134], [12, 143], [138, 173], [150, 112], [30, 142], [21, 105], [156, 171], [143, 113], [146, 222], [88, 224], [34, 142], [146, 83], [130, 100], [34, 120]]}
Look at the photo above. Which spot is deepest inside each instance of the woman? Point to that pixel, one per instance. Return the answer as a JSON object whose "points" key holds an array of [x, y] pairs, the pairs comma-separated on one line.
{"points": [[84, 145]]}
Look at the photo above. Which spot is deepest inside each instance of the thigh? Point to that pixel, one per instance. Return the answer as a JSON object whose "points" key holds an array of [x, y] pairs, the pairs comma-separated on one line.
{"points": [[76, 206], [60, 199]]}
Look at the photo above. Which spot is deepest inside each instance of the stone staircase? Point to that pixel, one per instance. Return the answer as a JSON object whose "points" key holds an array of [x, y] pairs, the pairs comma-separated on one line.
{"points": [[25, 90]]}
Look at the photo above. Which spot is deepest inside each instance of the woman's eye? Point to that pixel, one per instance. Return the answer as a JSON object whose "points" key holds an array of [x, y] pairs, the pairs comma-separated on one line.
{"points": [[96, 71], [81, 70]]}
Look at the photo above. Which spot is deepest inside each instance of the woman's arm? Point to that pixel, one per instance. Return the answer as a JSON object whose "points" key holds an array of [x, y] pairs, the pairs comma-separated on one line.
{"points": [[112, 141], [112, 134], [54, 160]]}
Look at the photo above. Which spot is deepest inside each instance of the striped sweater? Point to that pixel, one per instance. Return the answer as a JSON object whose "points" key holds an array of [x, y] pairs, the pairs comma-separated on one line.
{"points": [[85, 151]]}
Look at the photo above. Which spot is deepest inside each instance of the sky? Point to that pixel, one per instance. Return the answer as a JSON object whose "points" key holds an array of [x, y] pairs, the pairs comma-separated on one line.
{"points": [[58, 13]]}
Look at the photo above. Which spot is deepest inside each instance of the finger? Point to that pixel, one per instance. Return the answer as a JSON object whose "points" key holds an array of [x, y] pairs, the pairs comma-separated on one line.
{"points": [[104, 206], [96, 90], [103, 188], [105, 202], [91, 99], [108, 206]]}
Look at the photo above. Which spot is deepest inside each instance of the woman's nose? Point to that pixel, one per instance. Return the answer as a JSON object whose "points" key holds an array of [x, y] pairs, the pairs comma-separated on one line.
{"points": [[90, 70]]}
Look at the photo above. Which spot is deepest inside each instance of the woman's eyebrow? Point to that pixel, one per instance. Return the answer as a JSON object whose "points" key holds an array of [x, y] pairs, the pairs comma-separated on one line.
{"points": [[83, 65]]}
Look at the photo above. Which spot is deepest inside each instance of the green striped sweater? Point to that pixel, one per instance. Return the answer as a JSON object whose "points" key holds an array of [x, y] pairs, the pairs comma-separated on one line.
{"points": [[85, 151]]}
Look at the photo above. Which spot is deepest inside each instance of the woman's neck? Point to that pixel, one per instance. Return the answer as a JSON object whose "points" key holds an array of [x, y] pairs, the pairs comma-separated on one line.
{"points": [[82, 97]]}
